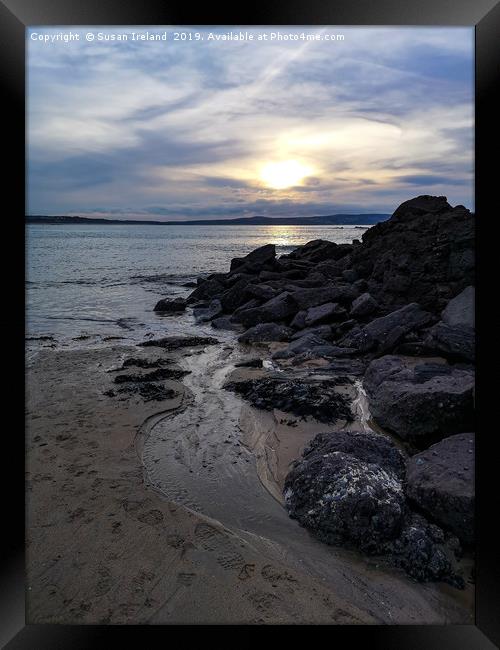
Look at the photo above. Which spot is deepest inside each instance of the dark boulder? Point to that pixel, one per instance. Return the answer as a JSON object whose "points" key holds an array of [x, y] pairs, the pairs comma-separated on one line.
{"points": [[206, 290], [299, 320], [176, 342], [225, 323], [330, 311], [275, 310], [440, 481], [166, 305], [304, 344], [420, 409], [421, 206], [260, 291], [266, 332], [455, 343], [348, 490], [424, 253], [312, 397], [385, 332], [350, 275], [319, 250], [208, 313], [236, 296], [250, 363], [386, 368], [363, 305], [424, 551], [259, 256], [460, 311], [323, 331]]}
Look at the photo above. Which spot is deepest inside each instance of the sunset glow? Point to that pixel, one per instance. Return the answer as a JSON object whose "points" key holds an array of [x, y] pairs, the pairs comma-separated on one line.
{"points": [[280, 175]]}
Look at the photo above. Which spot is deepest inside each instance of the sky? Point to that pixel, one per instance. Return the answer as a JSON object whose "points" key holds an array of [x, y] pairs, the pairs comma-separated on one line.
{"points": [[194, 129]]}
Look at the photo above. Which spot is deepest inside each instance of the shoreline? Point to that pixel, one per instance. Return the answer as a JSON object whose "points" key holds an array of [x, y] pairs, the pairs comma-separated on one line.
{"points": [[173, 555], [194, 470]]}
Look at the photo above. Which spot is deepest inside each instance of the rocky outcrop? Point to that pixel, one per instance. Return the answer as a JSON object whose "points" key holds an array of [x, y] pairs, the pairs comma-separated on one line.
{"points": [[421, 403], [266, 332], [363, 305], [368, 308], [165, 305], [316, 398], [460, 311], [348, 490], [257, 259], [441, 483], [176, 342], [385, 332]]}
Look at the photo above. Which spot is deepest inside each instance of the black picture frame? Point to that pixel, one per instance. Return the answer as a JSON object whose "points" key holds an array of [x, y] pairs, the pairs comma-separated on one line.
{"points": [[15, 16]]}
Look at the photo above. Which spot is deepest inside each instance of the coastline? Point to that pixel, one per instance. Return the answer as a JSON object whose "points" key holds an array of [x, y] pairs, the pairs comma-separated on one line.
{"points": [[91, 515], [187, 468]]}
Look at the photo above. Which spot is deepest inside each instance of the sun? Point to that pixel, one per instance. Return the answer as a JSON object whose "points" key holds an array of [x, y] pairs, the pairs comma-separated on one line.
{"points": [[287, 173]]}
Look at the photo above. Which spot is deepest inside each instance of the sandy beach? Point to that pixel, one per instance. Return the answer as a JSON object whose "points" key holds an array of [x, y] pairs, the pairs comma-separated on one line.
{"points": [[118, 533]]}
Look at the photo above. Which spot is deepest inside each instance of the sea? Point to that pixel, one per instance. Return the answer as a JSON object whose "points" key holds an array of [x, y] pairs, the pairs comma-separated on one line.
{"points": [[97, 283]]}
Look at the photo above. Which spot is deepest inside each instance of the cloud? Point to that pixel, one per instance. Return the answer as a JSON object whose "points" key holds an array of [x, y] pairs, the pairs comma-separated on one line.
{"points": [[189, 125]]}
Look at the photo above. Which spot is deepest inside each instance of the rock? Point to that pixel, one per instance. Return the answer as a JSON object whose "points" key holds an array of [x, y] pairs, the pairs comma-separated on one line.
{"points": [[392, 327], [176, 342], [319, 250], [260, 291], [167, 305], [350, 275], [420, 411], [440, 481], [156, 375], [144, 363], [225, 323], [254, 302], [346, 366], [236, 296], [259, 256], [348, 490], [306, 298], [315, 398], [460, 311], [306, 343], [386, 368], [360, 285], [266, 332], [251, 363], [367, 446], [299, 320], [204, 314], [206, 290], [277, 309], [424, 253], [425, 553], [322, 331], [422, 205], [363, 305], [458, 342], [330, 311]]}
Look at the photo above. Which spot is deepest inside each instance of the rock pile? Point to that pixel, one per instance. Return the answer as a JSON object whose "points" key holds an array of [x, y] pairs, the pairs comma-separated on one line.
{"points": [[397, 307]]}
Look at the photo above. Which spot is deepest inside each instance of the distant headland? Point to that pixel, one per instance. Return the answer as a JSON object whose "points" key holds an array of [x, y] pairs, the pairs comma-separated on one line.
{"points": [[329, 220]]}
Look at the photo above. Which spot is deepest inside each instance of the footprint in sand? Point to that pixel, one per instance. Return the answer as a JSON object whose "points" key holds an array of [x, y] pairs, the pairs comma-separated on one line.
{"points": [[152, 517], [215, 541], [186, 579]]}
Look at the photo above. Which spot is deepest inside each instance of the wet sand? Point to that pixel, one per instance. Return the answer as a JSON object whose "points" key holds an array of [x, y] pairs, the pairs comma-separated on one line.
{"points": [[159, 512]]}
